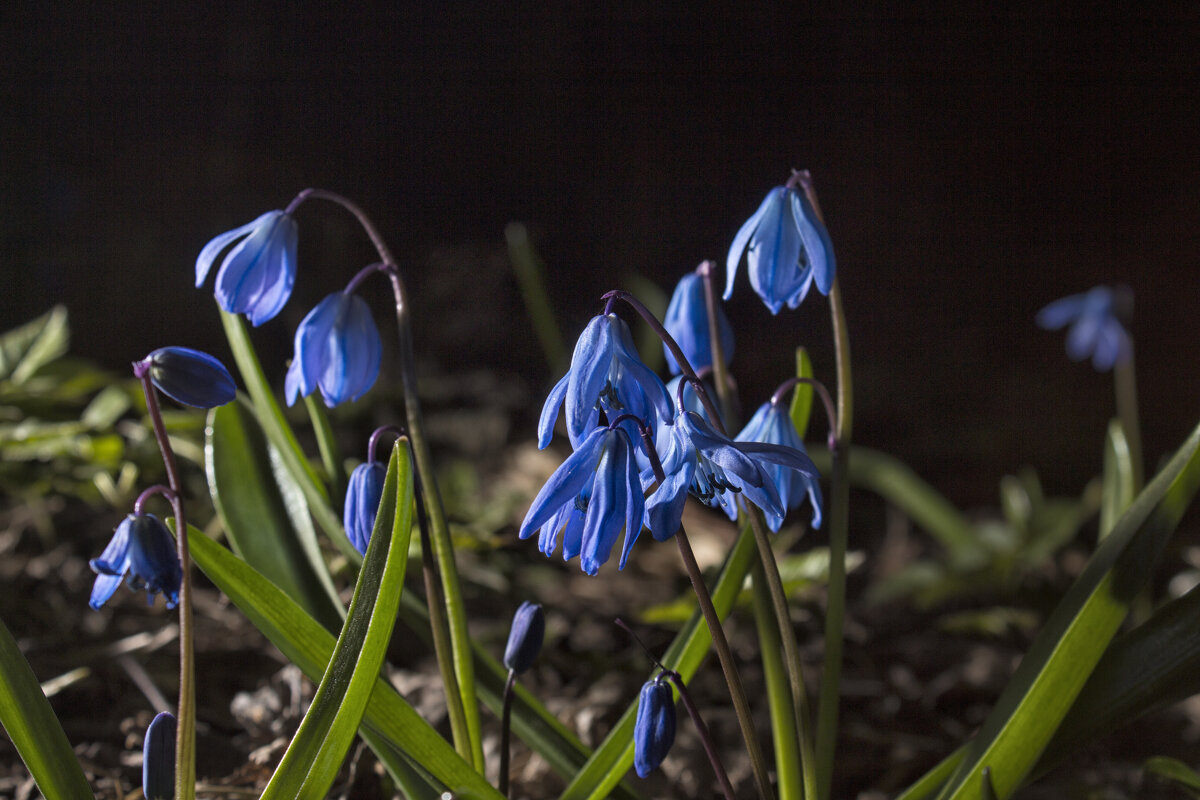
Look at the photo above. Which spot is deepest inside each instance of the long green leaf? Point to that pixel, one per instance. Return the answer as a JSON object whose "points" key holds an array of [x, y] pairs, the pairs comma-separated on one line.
{"points": [[35, 731], [25, 349], [1067, 649], [309, 646], [280, 434], [612, 759], [255, 516], [802, 396]]}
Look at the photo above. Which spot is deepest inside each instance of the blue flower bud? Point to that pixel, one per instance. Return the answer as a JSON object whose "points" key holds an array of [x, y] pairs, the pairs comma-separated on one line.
{"points": [[143, 551], [190, 377], [257, 275], [687, 322], [362, 503], [158, 758], [654, 731], [338, 349], [525, 637]]}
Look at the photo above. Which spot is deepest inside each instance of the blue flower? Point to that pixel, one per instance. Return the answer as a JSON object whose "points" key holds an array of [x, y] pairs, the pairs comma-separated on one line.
{"points": [[525, 637], [142, 548], [1095, 329], [158, 758], [654, 730], [338, 349], [789, 250], [702, 461], [362, 503], [256, 276], [687, 322], [591, 498], [607, 374], [772, 425], [190, 377]]}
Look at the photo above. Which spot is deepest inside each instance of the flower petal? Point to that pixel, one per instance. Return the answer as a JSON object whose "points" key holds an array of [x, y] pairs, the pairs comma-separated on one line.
{"points": [[550, 410], [743, 237], [218, 243], [817, 244], [565, 484]]}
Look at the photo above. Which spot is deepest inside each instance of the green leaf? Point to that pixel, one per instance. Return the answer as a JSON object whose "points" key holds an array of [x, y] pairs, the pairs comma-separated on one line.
{"points": [[35, 731], [1176, 772], [25, 349], [1067, 649], [1118, 478], [313, 758], [802, 395], [305, 643], [613, 758], [248, 498]]}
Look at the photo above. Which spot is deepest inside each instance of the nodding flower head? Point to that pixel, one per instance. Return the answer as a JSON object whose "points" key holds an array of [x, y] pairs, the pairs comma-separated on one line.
{"points": [[696, 458], [189, 377], [687, 322], [525, 637], [1096, 329], [257, 274], [337, 349], [142, 551], [590, 499], [158, 758], [607, 374], [654, 730], [363, 494], [772, 425], [788, 250]]}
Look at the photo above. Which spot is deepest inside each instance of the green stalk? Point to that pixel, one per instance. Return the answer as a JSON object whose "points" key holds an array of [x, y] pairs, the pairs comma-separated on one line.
{"points": [[779, 693], [327, 444], [1125, 383]]}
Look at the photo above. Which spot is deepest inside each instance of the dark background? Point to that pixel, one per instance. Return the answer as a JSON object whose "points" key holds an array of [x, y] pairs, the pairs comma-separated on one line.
{"points": [[971, 169]]}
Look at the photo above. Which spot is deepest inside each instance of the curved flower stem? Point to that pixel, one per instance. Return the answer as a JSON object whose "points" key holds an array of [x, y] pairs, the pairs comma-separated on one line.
{"points": [[737, 694], [460, 687], [185, 740], [720, 368], [821, 391], [505, 724]]}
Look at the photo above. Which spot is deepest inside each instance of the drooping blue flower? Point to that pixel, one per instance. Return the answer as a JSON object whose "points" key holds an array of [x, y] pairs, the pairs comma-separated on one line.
{"points": [[607, 374], [687, 322], [702, 461], [525, 637], [1095, 330], [363, 494], [257, 274], [142, 551], [591, 498], [789, 250], [772, 425], [654, 730], [158, 758], [338, 349], [189, 377]]}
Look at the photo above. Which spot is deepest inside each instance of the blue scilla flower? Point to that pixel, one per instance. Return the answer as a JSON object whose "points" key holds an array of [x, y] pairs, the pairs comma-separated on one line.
{"points": [[189, 377], [654, 730], [590, 499], [607, 374], [142, 551], [338, 349], [789, 249], [256, 276], [158, 758], [363, 494], [1095, 330], [698, 459], [687, 322], [771, 424], [525, 637]]}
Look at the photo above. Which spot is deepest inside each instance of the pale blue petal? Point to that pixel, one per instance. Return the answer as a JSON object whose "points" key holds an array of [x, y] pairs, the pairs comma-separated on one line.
{"points": [[590, 367], [743, 237], [103, 588], [817, 244], [565, 484], [550, 409], [208, 255], [1061, 312]]}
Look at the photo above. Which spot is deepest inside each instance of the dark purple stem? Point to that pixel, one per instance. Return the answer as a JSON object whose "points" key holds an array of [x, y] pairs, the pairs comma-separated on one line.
{"points": [[157, 488], [373, 444], [365, 273], [826, 400]]}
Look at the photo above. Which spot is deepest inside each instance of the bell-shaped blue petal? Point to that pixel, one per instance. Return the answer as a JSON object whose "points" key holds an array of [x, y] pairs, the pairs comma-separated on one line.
{"points": [[1095, 330], [591, 498], [337, 348], [257, 274], [787, 249], [191, 377], [771, 425], [687, 322], [158, 758], [607, 374], [143, 552], [525, 637], [654, 730], [363, 494]]}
